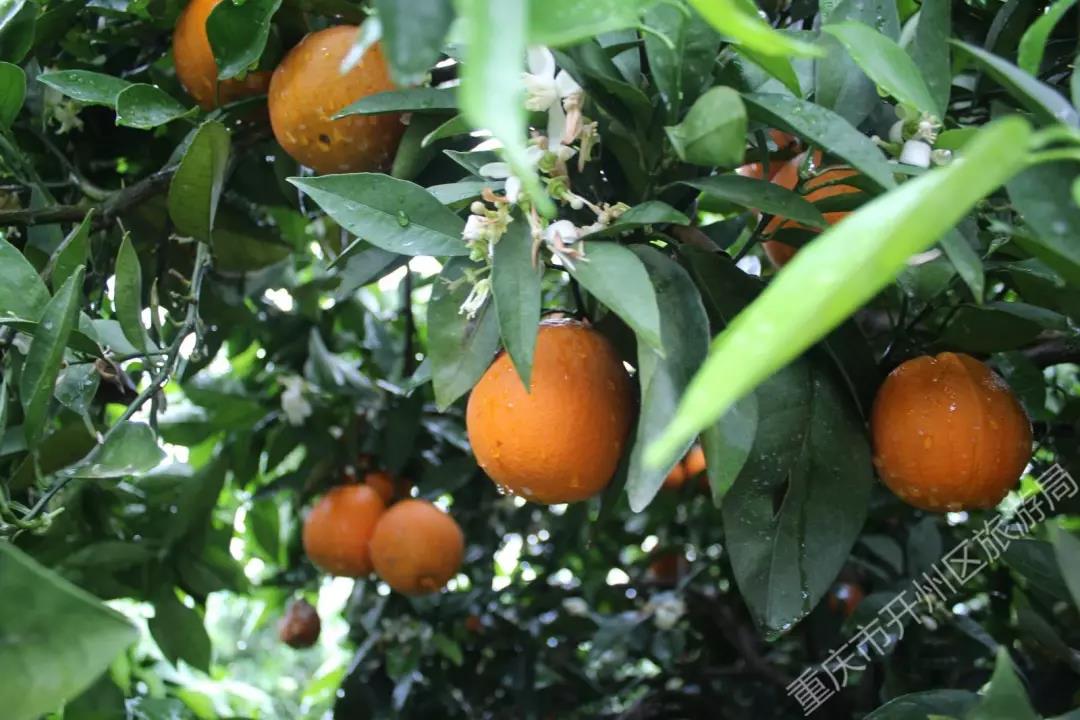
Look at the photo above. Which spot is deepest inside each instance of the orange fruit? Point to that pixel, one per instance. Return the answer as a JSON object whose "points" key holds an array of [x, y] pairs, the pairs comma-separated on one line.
{"points": [[694, 462], [339, 527], [675, 478], [949, 434], [666, 568], [845, 597], [382, 483], [308, 89], [417, 547], [474, 624], [301, 626], [195, 64], [561, 441]]}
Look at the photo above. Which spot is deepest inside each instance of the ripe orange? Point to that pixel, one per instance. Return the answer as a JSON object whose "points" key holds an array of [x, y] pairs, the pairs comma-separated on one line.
{"points": [[338, 530], [301, 626], [675, 478], [308, 89], [561, 441], [949, 434], [195, 65], [666, 568], [688, 468], [382, 483], [417, 547]]}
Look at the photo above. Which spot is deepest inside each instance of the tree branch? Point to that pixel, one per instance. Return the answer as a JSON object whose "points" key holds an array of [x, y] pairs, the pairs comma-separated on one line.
{"points": [[107, 211], [1054, 351]]}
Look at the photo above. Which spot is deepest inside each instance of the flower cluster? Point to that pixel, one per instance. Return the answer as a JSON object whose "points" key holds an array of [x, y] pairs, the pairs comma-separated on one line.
{"points": [[912, 138]]}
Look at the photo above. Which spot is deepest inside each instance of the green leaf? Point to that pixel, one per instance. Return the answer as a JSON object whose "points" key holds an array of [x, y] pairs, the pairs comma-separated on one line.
{"points": [[966, 261], [650, 212], [128, 294], [76, 387], [57, 638], [740, 22], [460, 348], [22, 293], [412, 156], [1041, 194], [18, 20], [12, 92], [515, 289], [393, 214], [85, 86], [838, 272], [886, 64], [130, 449], [196, 186], [930, 50], [684, 332], [412, 35], [824, 128], [494, 35], [1005, 697], [713, 133], [417, 99], [145, 106], [448, 648], [1036, 561], [997, 326], [453, 127], [839, 83], [618, 279], [1047, 104], [557, 23], [1033, 43], [921, 705], [461, 193], [779, 67], [727, 445], [238, 34], [47, 354], [1067, 551], [760, 195], [179, 632], [72, 253], [682, 71]]}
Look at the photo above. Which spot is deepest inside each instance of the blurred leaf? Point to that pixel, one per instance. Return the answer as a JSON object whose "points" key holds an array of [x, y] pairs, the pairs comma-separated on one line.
{"points": [[617, 278], [364, 267], [739, 20], [461, 193], [515, 289], [996, 326], [196, 186], [1067, 551], [393, 214], [922, 705], [1035, 560], [824, 128], [242, 245], [460, 348], [22, 293], [63, 638], [46, 355], [415, 99], [128, 294], [448, 649], [145, 107], [1042, 100], [837, 273], [12, 92], [413, 32], [713, 133], [18, 21], [85, 86], [682, 71], [179, 632], [760, 195], [684, 333], [886, 64], [779, 67], [1041, 195], [727, 445], [76, 387], [1033, 43], [966, 261], [130, 449], [839, 83], [1005, 697], [930, 50], [238, 34], [412, 156], [564, 22], [72, 253]]}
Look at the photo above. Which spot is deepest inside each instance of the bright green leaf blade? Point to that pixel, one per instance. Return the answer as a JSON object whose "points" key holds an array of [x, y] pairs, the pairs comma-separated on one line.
{"points": [[1037, 97], [825, 129], [1067, 551], [727, 445], [418, 99], [837, 273], [412, 35], [460, 348], [760, 195], [22, 293], [1005, 696], [564, 22], [393, 214], [86, 86], [885, 63], [196, 186], [930, 50], [684, 330], [131, 449], [515, 289], [713, 133], [179, 632], [618, 279], [1033, 43], [47, 354], [741, 23], [62, 640], [238, 34], [72, 253], [128, 294], [12, 92], [145, 107]]}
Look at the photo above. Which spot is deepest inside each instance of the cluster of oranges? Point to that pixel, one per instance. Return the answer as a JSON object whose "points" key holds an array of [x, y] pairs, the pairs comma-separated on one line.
{"points": [[305, 92], [356, 528]]}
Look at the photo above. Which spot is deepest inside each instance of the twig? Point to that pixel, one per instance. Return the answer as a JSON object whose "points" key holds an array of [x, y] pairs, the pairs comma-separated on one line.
{"points": [[1054, 352], [108, 210]]}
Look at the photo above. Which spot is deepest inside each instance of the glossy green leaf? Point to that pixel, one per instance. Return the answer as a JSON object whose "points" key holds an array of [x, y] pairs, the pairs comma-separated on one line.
{"points": [[838, 272], [922, 705], [412, 156], [713, 133], [85, 86], [997, 326], [453, 127], [740, 22], [681, 70], [825, 129], [62, 640], [18, 25], [46, 355], [930, 50], [72, 253], [967, 263], [412, 35], [839, 83], [462, 193], [779, 67], [196, 187], [179, 632], [618, 279], [727, 445], [145, 107], [564, 22], [76, 387], [460, 348], [760, 195], [515, 289], [885, 63], [130, 449], [12, 92], [22, 293], [128, 294], [1067, 551], [417, 99], [684, 333], [1033, 43], [1042, 196], [393, 214], [1005, 696], [650, 212], [238, 34]]}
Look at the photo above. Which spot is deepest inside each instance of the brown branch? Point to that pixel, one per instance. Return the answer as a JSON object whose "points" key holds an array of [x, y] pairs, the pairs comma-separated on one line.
{"points": [[1054, 351], [107, 211]]}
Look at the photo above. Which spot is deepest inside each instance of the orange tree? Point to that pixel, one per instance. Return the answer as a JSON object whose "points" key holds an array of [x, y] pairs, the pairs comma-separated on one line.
{"points": [[252, 265]]}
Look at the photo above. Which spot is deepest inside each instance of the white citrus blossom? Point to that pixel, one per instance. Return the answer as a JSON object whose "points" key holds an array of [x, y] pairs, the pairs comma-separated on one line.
{"points": [[476, 298], [555, 92], [917, 153], [293, 403]]}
